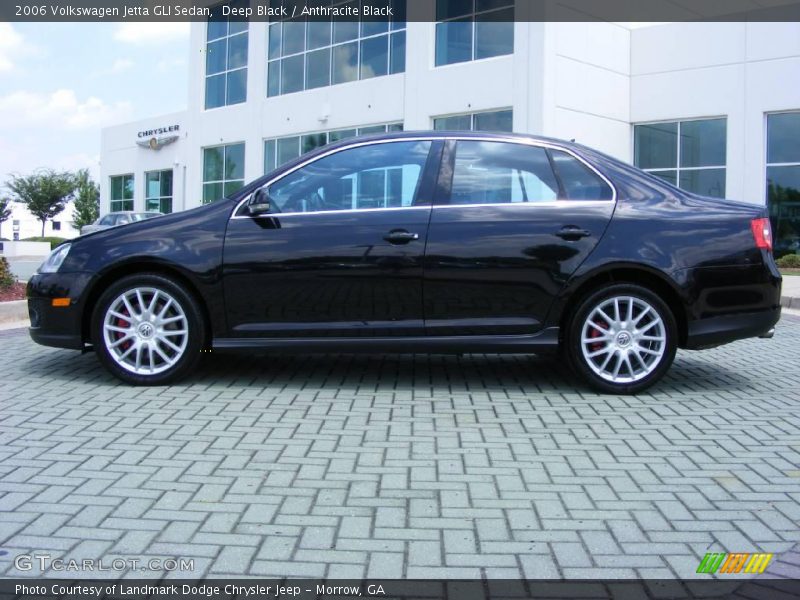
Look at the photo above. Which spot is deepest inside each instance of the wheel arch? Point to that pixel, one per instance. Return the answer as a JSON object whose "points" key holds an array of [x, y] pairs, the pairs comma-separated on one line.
{"points": [[119, 271], [653, 279]]}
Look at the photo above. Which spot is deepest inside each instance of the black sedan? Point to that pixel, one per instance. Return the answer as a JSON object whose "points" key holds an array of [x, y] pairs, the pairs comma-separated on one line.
{"points": [[423, 242]]}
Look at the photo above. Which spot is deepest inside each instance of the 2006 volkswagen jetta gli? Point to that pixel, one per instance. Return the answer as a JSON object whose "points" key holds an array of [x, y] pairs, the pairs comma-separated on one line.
{"points": [[423, 242]]}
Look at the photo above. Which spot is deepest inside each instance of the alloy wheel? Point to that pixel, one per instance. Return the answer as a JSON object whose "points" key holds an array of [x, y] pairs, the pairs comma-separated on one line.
{"points": [[623, 339], [145, 330]]}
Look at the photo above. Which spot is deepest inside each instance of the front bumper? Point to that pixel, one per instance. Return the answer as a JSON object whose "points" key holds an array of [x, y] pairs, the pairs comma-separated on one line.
{"points": [[60, 327]]}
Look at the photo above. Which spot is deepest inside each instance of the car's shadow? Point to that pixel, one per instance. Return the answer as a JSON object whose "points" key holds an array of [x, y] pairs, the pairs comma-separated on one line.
{"points": [[437, 374]]}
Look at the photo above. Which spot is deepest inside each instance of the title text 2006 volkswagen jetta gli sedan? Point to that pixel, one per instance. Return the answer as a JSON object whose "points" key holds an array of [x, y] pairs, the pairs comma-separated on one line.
{"points": [[423, 242]]}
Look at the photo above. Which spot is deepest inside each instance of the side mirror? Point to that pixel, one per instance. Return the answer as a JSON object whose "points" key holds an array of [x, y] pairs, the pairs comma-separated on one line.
{"points": [[259, 204]]}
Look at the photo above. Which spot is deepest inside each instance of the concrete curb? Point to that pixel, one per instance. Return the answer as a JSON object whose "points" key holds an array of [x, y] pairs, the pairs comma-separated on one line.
{"points": [[790, 302], [13, 311]]}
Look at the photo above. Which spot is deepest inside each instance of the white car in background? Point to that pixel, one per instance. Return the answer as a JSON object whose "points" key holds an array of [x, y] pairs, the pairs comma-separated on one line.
{"points": [[114, 219]]}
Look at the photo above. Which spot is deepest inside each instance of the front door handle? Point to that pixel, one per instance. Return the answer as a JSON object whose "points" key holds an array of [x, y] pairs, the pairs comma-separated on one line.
{"points": [[400, 236], [572, 233]]}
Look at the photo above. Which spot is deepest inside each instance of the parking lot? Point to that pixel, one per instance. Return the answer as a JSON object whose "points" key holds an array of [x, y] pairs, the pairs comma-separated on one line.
{"points": [[402, 466]]}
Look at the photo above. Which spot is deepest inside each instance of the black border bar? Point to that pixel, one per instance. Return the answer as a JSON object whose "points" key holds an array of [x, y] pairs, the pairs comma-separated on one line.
{"points": [[415, 10], [307, 589]]}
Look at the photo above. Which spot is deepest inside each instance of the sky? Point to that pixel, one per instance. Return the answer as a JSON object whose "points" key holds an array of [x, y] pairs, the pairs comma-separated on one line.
{"points": [[61, 83]]}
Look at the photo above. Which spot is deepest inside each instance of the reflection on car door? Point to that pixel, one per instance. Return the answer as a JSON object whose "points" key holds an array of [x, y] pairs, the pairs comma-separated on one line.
{"points": [[510, 224], [340, 253]]}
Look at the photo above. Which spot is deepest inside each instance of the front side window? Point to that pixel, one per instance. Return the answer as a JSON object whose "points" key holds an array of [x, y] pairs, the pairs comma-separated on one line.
{"points": [[473, 29], [367, 177], [223, 171], [783, 180], [689, 154], [496, 120], [226, 59], [505, 173], [279, 151], [121, 193], [158, 191], [304, 55]]}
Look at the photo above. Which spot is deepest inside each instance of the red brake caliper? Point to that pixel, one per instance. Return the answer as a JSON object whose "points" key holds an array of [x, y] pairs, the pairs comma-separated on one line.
{"points": [[119, 335], [596, 333]]}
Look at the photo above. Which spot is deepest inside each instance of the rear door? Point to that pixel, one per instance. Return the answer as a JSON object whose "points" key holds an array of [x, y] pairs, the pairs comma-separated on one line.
{"points": [[510, 224]]}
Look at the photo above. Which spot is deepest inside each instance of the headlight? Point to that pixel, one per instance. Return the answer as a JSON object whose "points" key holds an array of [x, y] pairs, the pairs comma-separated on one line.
{"points": [[55, 260]]}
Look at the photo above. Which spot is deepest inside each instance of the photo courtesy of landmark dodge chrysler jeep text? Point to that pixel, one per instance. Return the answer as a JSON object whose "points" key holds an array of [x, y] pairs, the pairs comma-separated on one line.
{"points": [[423, 242]]}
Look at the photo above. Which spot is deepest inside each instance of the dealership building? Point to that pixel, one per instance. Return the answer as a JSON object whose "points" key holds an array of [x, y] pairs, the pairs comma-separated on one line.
{"points": [[711, 107]]}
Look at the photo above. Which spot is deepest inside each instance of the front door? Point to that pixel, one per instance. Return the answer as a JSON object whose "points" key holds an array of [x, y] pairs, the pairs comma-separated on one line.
{"points": [[340, 252], [511, 224]]}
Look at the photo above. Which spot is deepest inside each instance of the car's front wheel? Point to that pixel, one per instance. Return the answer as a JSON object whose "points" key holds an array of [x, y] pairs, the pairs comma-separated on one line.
{"points": [[148, 330], [622, 339]]}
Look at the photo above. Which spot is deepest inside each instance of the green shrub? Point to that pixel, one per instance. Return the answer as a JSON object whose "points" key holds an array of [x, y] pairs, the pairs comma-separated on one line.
{"points": [[7, 279], [790, 261], [54, 241]]}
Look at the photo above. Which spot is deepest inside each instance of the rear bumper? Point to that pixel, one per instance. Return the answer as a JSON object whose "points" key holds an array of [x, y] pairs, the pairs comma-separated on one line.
{"points": [[715, 331]]}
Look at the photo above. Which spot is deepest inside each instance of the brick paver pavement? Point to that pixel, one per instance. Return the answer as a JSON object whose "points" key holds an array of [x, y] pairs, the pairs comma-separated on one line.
{"points": [[400, 466]]}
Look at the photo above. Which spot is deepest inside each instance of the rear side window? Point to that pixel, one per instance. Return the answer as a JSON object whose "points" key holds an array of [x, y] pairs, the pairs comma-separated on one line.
{"points": [[579, 181], [501, 173]]}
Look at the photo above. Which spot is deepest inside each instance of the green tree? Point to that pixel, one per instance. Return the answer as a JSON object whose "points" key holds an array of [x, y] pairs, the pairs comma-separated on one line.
{"points": [[87, 200], [5, 213], [45, 192]]}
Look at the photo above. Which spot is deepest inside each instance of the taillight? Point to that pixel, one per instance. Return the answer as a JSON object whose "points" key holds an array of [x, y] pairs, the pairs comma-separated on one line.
{"points": [[762, 232]]}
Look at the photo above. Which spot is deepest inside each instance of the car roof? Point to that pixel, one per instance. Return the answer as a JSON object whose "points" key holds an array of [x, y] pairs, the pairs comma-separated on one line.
{"points": [[133, 212], [445, 134]]}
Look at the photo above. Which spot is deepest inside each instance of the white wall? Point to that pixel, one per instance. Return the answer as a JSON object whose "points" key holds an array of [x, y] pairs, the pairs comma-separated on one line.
{"points": [[120, 155], [738, 70], [587, 85]]}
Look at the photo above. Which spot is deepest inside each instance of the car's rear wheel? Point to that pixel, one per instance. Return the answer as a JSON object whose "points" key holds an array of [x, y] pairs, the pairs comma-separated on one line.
{"points": [[148, 330], [622, 339]]}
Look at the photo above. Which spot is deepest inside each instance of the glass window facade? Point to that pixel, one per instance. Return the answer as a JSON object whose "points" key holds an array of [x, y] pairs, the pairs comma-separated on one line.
{"points": [[121, 193], [226, 59], [473, 29], [365, 177], [688, 154], [281, 150], [303, 55], [223, 171], [783, 180], [158, 191], [498, 120]]}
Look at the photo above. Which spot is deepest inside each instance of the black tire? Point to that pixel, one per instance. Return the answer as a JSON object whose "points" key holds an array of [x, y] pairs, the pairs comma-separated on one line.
{"points": [[191, 344], [648, 374]]}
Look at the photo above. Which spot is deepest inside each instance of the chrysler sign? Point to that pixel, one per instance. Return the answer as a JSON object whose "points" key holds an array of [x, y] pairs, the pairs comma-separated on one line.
{"points": [[155, 139]]}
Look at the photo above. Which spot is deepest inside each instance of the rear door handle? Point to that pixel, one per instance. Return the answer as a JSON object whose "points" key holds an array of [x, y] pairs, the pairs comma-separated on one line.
{"points": [[572, 233], [400, 236]]}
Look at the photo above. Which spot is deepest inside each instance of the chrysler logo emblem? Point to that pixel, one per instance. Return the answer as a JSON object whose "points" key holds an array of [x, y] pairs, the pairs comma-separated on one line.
{"points": [[156, 143]]}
